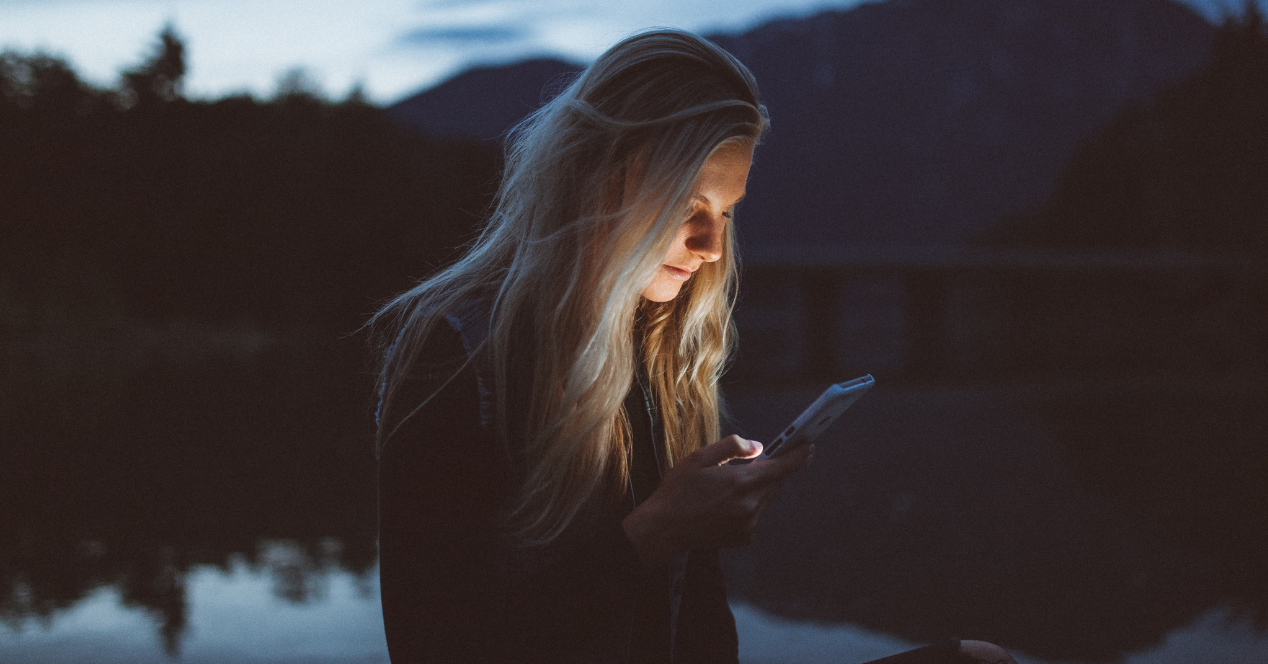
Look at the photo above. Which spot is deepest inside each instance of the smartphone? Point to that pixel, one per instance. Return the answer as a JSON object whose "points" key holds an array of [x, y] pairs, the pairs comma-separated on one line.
{"points": [[820, 415]]}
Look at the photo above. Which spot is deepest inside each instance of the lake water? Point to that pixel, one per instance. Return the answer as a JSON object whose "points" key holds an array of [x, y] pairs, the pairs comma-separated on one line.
{"points": [[225, 513], [237, 616]]}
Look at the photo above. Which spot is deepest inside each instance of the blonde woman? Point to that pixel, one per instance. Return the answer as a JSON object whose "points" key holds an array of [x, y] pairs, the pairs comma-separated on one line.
{"points": [[550, 488]]}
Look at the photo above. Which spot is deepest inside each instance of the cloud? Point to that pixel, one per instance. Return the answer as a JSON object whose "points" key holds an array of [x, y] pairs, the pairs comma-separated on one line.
{"points": [[464, 35]]}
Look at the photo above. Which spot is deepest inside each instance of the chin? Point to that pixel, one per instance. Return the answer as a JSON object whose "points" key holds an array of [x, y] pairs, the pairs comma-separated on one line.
{"points": [[662, 292]]}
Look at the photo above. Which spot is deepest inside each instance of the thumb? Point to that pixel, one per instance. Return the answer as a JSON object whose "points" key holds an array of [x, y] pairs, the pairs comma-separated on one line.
{"points": [[731, 447]]}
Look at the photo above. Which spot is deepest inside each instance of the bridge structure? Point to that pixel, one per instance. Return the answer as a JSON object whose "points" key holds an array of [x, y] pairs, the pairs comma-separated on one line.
{"points": [[928, 276]]}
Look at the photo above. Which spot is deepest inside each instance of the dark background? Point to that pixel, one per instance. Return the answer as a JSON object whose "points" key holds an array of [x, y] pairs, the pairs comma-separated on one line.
{"points": [[1042, 225]]}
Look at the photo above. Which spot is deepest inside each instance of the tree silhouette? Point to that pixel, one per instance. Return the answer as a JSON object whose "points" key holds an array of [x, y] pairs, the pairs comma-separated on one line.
{"points": [[160, 78], [1185, 172], [292, 210]]}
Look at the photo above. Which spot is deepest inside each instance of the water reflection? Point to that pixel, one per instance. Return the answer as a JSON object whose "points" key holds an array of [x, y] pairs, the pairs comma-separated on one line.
{"points": [[1190, 463], [995, 512], [226, 504], [236, 616], [236, 613], [128, 469]]}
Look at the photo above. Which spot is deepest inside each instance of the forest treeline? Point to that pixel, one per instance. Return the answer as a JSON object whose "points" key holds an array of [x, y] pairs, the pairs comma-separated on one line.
{"points": [[136, 202]]}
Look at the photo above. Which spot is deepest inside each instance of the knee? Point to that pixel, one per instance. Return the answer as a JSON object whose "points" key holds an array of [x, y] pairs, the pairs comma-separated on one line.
{"points": [[981, 652]]}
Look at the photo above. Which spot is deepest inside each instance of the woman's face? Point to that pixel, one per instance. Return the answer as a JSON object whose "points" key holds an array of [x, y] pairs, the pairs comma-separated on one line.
{"points": [[699, 239]]}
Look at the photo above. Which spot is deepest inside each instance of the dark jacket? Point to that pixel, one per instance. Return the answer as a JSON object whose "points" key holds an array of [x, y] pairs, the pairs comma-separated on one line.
{"points": [[455, 590]]}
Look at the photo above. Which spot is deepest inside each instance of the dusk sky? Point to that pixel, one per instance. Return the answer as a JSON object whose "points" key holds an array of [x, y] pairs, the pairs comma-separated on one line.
{"points": [[391, 47]]}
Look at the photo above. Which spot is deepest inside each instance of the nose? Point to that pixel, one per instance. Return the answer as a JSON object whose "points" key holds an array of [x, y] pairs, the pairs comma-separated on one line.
{"points": [[704, 238]]}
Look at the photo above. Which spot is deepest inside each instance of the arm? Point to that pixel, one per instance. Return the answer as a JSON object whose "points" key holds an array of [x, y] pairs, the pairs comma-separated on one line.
{"points": [[438, 489], [453, 590], [702, 503], [706, 627]]}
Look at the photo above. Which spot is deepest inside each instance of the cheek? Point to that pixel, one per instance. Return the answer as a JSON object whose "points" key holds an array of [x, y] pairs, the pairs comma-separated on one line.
{"points": [[677, 251]]}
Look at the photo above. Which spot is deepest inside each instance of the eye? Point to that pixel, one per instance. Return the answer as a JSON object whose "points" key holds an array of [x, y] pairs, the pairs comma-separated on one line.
{"points": [[727, 214]]}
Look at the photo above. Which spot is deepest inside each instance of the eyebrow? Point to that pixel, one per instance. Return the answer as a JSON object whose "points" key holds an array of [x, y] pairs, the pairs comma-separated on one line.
{"points": [[702, 197]]}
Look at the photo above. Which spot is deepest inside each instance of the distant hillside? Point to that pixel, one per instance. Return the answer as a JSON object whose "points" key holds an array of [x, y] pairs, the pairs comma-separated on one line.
{"points": [[908, 122], [482, 102], [1184, 173]]}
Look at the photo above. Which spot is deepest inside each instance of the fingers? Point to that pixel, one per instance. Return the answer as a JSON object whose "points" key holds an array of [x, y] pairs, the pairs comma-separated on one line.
{"points": [[731, 447], [780, 467], [720, 502]]}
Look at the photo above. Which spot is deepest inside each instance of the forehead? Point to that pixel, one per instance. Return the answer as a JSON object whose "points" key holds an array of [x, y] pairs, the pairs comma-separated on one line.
{"points": [[725, 173]]}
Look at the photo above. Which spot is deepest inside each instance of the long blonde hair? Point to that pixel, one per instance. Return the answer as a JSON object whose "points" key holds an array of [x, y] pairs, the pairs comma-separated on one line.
{"points": [[596, 185]]}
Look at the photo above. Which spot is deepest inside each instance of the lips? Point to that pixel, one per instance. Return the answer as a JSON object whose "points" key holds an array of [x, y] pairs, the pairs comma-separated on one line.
{"points": [[677, 272]]}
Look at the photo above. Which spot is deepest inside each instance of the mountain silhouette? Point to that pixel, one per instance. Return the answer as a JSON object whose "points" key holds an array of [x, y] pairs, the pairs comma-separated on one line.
{"points": [[901, 123], [483, 102]]}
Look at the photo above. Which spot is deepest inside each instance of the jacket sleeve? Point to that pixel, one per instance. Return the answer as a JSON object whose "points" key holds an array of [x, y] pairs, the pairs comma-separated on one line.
{"points": [[706, 627], [453, 590]]}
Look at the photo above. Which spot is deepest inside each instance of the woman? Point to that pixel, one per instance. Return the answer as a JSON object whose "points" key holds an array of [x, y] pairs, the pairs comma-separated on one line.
{"points": [[546, 490]]}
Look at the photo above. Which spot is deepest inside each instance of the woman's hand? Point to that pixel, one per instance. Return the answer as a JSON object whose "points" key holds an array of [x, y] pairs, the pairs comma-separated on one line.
{"points": [[703, 502]]}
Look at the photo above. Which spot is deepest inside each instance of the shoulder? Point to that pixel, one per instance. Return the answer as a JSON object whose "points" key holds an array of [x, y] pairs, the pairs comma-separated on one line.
{"points": [[441, 350], [437, 392], [451, 343]]}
